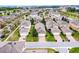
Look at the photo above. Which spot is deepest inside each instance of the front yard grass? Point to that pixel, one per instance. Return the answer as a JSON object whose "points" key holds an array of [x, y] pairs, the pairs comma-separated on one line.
{"points": [[70, 14], [50, 37], [15, 36], [6, 33], [33, 35], [75, 35], [50, 50], [63, 36], [74, 50]]}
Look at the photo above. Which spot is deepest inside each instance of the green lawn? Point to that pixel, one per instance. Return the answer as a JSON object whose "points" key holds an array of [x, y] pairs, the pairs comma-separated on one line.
{"points": [[50, 37], [75, 34], [74, 50], [6, 33], [63, 36], [15, 36], [1, 15], [33, 35], [50, 50], [70, 14], [4, 37]]}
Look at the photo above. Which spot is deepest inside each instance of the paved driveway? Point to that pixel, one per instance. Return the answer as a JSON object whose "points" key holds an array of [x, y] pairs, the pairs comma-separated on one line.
{"points": [[58, 38], [70, 38]]}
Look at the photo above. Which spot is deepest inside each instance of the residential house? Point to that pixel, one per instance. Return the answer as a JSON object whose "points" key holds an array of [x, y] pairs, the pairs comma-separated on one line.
{"points": [[68, 33], [74, 24], [40, 28], [56, 32], [24, 28]]}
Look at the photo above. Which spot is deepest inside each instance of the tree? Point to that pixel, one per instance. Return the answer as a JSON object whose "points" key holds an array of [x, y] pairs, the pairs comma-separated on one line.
{"points": [[34, 32], [71, 9], [32, 22], [43, 21]]}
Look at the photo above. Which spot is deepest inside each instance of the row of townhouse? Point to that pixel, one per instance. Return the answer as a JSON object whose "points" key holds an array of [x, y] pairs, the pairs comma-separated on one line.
{"points": [[74, 24], [24, 29], [40, 28], [58, 23]]}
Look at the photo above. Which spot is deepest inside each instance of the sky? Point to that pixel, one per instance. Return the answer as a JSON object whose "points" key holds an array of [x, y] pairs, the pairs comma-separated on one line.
{"points": [[38, 2]]}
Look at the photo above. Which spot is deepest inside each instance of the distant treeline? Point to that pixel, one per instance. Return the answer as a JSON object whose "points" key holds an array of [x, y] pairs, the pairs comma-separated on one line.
{"points": [[72, 9], [6, 8], [43, 6]]}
